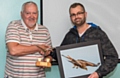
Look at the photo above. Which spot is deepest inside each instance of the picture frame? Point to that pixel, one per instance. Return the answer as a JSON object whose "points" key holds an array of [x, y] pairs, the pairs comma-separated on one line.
{"points": [[86, 57]]}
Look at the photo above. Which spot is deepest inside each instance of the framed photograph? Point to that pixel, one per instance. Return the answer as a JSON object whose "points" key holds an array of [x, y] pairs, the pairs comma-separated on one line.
{"points": [[79, 60]]}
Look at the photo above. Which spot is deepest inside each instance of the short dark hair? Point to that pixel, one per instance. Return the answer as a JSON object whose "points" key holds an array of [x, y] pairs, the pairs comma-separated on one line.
{"points": [[77, 4]]}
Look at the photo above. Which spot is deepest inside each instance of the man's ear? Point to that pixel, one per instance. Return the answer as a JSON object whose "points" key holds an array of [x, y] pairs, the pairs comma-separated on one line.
{"points": [[86, 14]]}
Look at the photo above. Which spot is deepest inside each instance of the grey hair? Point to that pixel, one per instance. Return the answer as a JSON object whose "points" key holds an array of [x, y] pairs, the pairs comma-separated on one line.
{"points": [[29, 2]]}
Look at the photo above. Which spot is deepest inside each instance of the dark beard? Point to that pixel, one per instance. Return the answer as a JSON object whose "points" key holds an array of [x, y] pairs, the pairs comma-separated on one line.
{"points": [[81, 23]]}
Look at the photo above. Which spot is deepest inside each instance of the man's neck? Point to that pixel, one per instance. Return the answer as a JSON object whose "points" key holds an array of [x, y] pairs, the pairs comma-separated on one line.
{"points": [[82, 28], [31, 28]]}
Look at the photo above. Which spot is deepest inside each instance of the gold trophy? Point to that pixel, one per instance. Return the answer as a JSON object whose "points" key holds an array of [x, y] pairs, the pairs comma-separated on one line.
{"points": [[43, 62]]}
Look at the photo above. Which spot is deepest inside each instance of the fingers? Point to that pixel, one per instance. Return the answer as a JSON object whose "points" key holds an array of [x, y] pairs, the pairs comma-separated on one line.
{"points": [[94, 75], [47, 59], [42, 53], [44, 49]]}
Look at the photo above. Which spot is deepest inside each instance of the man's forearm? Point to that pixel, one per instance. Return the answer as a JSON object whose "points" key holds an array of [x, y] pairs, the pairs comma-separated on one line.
{"points": [[19, 50]]}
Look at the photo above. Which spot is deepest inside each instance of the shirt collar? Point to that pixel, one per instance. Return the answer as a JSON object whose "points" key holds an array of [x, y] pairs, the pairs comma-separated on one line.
{"points": [[36, 27]]}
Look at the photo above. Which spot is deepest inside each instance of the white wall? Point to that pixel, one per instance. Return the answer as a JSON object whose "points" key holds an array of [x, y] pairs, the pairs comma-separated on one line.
{"points": [[104, 13]]}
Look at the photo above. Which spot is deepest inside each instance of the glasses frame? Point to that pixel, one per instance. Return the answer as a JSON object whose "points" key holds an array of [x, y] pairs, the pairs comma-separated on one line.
{"points": [[77, 14]]}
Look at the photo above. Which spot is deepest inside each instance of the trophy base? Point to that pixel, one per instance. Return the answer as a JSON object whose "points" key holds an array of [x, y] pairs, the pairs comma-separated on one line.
{"points": [[43, 64]]}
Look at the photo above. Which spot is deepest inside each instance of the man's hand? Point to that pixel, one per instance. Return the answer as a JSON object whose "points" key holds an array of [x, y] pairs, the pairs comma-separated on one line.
{"points": [[48, 57], [44, 49], [94, 75]]}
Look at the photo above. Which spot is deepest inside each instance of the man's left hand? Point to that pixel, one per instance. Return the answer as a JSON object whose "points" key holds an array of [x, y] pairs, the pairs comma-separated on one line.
{"points": [[93, 75]]}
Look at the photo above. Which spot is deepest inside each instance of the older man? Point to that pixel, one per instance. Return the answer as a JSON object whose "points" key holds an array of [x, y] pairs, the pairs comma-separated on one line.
{"points": [[23, 39]]}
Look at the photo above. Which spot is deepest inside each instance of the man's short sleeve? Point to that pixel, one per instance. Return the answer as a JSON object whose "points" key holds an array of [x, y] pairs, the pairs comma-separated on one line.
{"points": [[12, 34]]}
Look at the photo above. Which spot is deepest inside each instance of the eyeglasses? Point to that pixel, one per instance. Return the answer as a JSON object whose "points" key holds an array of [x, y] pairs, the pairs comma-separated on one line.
{"points": [[78, 14]]}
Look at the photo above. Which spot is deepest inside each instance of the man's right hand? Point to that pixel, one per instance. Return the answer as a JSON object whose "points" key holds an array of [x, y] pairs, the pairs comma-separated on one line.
{"points": [[44, 49]]}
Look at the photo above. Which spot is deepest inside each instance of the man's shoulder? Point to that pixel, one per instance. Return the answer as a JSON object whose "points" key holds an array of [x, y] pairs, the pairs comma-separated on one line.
{"points": [[96, 30], [16, 22]]}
